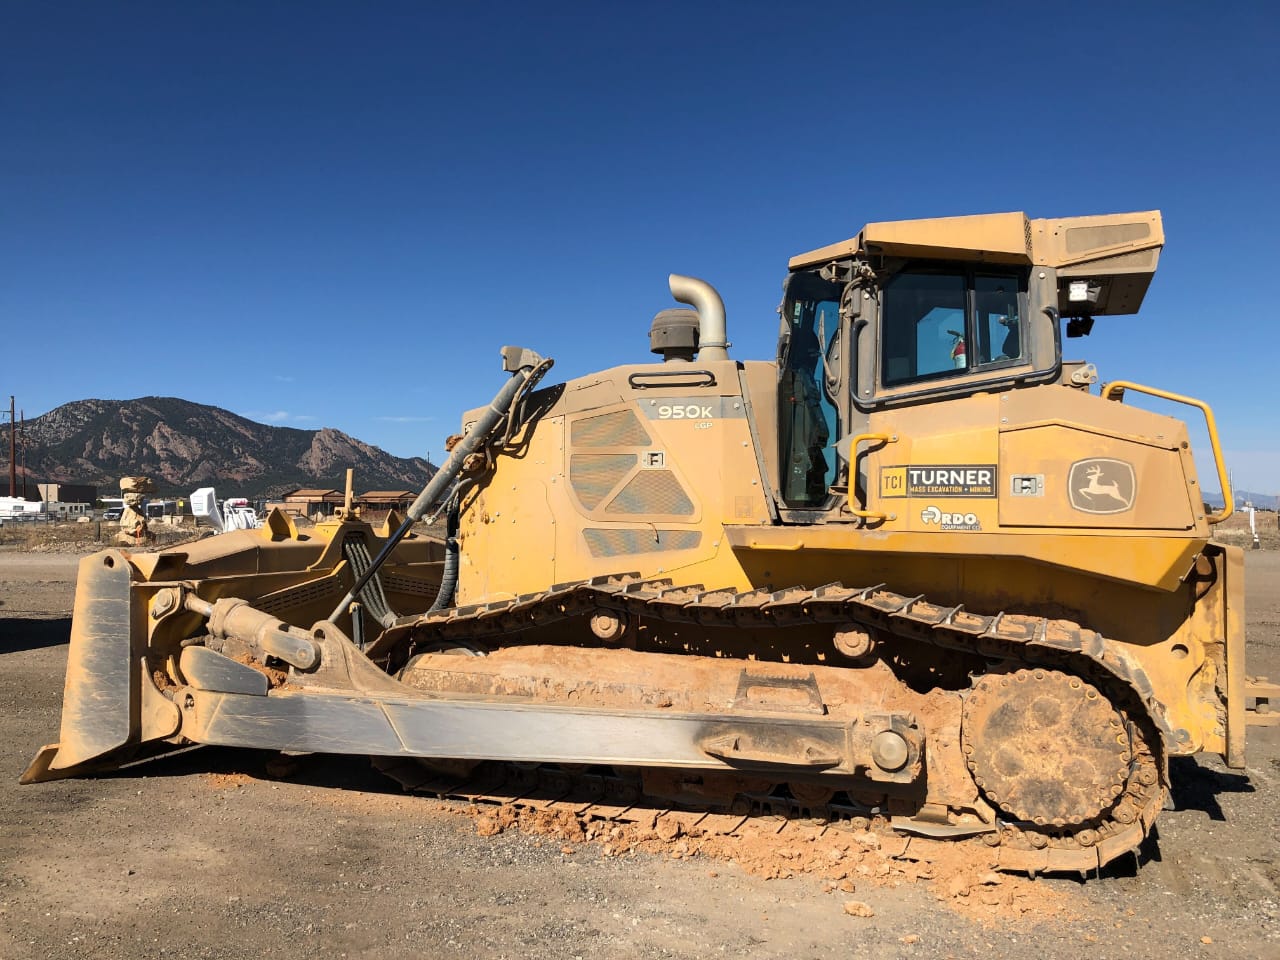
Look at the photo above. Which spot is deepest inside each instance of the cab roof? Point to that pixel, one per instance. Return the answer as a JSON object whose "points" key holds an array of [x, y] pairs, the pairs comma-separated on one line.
{"points": [[1117, 251]]}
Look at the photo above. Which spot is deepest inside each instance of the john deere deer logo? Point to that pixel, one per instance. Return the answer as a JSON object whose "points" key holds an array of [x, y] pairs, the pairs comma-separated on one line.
{"points": [[1102, 486]]}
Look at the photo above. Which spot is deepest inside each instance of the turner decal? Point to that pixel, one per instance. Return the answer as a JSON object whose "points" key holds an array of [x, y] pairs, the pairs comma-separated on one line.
{"points": [[939, 480]]}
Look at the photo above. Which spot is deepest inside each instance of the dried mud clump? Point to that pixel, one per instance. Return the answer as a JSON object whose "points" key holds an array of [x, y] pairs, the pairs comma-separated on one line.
{"points": [[276, 678]]}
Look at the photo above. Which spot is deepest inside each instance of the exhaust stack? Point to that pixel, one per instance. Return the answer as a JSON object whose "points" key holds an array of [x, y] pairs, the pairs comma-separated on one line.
{"points": [[711, 322]]}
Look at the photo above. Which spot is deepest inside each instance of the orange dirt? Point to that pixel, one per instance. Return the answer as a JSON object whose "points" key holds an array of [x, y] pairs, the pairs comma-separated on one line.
{"points": [[959, 874], [227, 781], [276, 678]]}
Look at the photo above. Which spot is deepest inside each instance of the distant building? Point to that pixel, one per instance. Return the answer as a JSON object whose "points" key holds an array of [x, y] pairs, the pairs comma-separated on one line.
{"points": [[376, 504], [16, 508], [309, 503], [67, 493]]}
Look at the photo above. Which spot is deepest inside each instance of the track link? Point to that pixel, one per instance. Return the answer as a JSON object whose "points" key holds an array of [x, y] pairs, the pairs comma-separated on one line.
{"points": [[1028, 642]]}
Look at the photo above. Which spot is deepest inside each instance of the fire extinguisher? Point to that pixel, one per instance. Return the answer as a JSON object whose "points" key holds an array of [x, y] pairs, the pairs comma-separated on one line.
{"points": [[957, 349]]}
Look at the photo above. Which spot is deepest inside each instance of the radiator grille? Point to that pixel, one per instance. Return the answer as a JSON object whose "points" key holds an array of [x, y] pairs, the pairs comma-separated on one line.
{"points": [[1139, 259], [612, 543], [394, 583], [652, 492], [1081, 239], [313, 591], [593, 475], [618, 429]]}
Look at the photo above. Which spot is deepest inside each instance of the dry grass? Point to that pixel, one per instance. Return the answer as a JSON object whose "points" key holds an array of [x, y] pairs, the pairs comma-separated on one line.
{"points": [[79, 537], [1235, 530]]}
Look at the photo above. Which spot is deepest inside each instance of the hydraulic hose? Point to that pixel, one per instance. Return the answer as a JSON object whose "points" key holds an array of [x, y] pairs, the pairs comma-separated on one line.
{"points": [[526, 365], [452, 556]]}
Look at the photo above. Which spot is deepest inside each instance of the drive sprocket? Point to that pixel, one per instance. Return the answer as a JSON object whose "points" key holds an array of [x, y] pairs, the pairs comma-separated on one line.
{"points": [[1044, 746]]}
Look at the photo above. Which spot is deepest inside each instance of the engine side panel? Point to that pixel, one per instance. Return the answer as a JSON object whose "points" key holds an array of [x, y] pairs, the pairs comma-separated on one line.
{"points": [[624, 472]]}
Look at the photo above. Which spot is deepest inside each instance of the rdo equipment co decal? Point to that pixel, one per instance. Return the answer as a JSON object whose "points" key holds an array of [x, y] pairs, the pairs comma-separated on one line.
{"points": [[950, 521]]}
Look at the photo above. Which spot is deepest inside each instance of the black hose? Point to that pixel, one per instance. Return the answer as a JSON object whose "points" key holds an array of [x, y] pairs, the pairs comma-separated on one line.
{"points": [[476, 439], [452, 554]]}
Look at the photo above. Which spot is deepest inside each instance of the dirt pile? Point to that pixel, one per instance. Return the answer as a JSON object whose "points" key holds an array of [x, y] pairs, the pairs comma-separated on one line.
{"points": [[842, 861]]}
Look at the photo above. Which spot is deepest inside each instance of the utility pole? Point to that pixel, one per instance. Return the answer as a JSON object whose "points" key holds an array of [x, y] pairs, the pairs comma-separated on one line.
{"points": [[13, 450], [22, 415]]}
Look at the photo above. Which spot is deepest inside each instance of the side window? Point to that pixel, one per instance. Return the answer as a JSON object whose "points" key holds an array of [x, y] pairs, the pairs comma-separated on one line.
{"points": [[998, 321], [924, 328], [939, 324]]}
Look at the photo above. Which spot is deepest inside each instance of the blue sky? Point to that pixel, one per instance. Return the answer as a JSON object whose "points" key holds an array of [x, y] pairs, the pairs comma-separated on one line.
{"points": [[334, 214]]}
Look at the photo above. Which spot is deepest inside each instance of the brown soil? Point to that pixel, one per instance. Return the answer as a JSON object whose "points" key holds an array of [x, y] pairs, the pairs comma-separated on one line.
{"points": [[957, 875], [226, 781], [276, 678]]}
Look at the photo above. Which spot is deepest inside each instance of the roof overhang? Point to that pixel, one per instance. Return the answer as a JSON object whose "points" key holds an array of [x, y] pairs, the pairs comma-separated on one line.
{"points": [[1114, 255]]}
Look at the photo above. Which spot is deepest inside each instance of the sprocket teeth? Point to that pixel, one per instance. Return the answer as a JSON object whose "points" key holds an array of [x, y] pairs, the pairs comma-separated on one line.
{"points": [[1040, 745]]}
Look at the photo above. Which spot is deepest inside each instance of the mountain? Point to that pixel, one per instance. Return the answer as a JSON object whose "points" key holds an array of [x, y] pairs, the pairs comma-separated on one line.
{"points": [[183, 445], [1260, 501]]}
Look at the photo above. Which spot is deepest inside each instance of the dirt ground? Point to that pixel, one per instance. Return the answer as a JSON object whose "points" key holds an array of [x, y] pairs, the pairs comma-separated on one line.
{"points": [[204, 855]]}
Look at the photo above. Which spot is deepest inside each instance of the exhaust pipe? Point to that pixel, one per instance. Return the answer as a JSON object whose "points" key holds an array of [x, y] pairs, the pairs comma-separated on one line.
{"points": [[700, 295]]}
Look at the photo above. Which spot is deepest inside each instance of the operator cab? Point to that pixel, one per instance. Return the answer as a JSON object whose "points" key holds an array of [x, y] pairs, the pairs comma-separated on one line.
{"points": [[915, 311]]}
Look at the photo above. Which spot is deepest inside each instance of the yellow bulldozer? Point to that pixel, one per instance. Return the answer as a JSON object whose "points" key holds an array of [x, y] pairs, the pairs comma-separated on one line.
{"points": [[919, 571]]}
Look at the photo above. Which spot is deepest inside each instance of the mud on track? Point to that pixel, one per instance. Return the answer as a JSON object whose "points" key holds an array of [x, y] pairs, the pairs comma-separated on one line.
{"points": [[203, 854]]}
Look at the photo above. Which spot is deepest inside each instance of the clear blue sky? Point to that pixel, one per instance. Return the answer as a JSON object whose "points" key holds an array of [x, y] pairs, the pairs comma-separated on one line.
{"points": [[334, 214]]}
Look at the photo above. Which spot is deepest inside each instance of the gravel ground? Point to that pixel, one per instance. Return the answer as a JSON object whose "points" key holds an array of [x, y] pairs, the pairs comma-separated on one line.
{"points": [[202, 855]]}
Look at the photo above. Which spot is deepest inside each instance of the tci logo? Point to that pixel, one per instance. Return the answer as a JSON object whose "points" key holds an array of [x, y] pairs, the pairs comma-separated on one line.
{"points": [[950, 521]]}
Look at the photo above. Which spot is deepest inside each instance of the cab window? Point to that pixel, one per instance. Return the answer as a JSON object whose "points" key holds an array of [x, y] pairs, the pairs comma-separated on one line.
{"points": [[923, 327], [944, 324], [998, 320]]}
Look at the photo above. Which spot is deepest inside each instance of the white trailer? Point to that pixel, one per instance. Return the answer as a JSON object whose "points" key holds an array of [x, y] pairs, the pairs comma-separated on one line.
{"points": [[16, 508], [66, 511]]}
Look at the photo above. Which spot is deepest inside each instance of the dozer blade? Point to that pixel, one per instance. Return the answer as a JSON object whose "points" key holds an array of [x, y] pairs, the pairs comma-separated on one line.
{"points": [[100, 700]]}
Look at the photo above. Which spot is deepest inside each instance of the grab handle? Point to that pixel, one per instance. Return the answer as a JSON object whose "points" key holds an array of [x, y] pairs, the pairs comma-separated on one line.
{"points": [[1116, 390]]}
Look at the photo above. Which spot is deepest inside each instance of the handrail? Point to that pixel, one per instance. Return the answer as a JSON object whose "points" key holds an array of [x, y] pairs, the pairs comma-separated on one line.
{"points": [[1224, 482], [677, 378], [853, 467]]}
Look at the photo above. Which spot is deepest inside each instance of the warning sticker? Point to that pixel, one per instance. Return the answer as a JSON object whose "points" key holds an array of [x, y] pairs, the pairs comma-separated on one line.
{"points": [[939, 480]]}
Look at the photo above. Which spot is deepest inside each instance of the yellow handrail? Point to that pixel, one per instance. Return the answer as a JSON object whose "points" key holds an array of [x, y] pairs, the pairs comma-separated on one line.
{"points": [[1120, 386], [853, 467]]}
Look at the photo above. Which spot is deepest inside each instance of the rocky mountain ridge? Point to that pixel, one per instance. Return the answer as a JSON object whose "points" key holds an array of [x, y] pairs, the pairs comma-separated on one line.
{"points": [[183, 445]]}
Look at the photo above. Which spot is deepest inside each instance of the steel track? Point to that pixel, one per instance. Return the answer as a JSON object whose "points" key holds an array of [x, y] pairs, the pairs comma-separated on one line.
{"points": [[1028, 641]]}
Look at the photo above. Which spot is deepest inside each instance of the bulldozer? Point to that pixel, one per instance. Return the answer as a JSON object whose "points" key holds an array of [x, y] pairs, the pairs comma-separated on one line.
{"points": [[918, 571]]}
